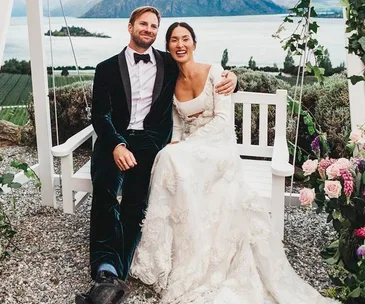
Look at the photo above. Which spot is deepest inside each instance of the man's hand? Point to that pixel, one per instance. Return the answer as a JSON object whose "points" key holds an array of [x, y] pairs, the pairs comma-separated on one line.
{"points": [[174, 142], [228, 84], [124, 158]]}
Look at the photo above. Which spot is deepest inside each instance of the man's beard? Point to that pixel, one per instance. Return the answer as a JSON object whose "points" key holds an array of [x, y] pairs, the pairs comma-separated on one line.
{"points": [[140, 43]]}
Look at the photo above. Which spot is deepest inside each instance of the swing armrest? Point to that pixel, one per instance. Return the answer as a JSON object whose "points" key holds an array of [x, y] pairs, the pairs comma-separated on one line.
{"points": [[73, 142], [279, 163]]}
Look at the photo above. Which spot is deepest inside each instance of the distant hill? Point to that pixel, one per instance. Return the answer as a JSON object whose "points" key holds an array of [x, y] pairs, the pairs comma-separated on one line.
{"points": [[74, 8], [185, 8], [317, 3], [20, 9]]}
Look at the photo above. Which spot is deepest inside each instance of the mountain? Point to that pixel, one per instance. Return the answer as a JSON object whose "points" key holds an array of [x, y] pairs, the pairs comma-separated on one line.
{"points": [[185, 8], [20, 9], [316, 3], [74, 8]]}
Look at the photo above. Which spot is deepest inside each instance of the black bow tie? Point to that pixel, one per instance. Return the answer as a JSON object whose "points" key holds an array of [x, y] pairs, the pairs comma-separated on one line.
{"points": [[144, 57]]}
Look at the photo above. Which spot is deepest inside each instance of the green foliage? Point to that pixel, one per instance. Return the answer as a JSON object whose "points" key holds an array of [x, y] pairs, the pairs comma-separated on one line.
{"points": [[255, 81], [16, 90], [325, 63], [13, 66], [332, 110], [252, 64], [71, 112], [7, 231], [18, 116], [289, 63], [65, 72], [302, 41], [224, 59], [355, 13], [76, 31]]}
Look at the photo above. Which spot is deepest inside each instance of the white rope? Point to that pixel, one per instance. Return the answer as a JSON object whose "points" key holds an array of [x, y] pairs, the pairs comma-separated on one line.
{"points": [[87, 108], [53, 75], [300, 100], [296, 84]]}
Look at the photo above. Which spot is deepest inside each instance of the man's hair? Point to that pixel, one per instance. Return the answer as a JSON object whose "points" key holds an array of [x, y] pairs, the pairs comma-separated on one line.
{"points": [[144, 9]]}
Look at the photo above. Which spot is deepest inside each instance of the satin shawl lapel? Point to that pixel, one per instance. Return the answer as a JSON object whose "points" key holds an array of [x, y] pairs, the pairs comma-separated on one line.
{"points": [[159, 76], [123, 69]]}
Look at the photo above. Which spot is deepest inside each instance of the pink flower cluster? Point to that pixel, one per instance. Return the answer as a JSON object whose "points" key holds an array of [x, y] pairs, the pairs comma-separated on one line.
{"points": [[323, 165], [360, 233], [348, 182]]}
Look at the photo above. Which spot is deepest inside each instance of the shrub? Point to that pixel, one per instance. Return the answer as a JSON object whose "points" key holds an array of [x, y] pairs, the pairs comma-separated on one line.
{"points": [[332, 110], [253, 81], [72, 116]]}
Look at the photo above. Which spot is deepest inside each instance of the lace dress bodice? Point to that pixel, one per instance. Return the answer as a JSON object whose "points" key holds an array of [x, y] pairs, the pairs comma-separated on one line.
{"points": [[214, 117]]}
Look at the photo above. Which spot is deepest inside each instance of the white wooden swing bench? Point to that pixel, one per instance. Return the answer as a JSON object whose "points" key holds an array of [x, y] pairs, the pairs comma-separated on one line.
{"points": [[267, 177]]}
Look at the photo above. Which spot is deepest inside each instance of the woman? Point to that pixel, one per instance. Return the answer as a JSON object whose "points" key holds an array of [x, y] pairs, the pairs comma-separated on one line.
{"points": [[207, 237]]}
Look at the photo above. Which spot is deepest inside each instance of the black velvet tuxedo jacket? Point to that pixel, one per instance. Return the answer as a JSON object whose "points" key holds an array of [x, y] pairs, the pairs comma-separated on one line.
{"points": [[111, 105]]}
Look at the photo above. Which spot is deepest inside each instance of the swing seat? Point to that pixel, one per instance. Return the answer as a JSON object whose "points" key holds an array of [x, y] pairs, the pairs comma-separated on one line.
{"points": [[267, 177]]}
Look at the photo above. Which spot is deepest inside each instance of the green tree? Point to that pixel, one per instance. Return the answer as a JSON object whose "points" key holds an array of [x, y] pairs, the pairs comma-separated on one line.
{"points": [[65, 72], [224, 59], [14, 66], [289, 63], [325, 62], [252, 64]]}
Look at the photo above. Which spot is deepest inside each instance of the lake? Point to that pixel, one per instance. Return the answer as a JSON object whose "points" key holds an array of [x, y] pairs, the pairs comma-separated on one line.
{"points": [[243, 36]]}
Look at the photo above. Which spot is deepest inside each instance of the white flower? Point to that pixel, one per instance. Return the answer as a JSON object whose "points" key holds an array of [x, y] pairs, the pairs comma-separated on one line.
{"points": [[356, 136]]}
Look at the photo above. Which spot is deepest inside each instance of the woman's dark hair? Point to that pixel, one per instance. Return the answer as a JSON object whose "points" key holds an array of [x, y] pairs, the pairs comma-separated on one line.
{"points": [[174, 26]]}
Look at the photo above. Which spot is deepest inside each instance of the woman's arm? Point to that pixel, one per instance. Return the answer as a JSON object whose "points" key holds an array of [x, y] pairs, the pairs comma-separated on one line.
{"points": [[222, 111]]}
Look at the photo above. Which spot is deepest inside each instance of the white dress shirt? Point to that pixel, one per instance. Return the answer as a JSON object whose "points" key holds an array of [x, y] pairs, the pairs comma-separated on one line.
{"points": [[142, 76]]}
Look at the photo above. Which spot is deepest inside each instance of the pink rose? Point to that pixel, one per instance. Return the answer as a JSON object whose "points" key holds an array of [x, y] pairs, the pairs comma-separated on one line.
{"points": [[360, 233], [332, 188], [333, 171], [307, 196], [343, 163], [355, 136], [309, 167]]}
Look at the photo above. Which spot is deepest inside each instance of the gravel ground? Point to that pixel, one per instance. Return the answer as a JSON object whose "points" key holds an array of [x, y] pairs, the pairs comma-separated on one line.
{"points": [[50, 263]]}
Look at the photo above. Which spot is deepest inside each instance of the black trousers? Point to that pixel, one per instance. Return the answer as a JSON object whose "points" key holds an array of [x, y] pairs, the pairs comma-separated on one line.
{"points": [[115, 228]]}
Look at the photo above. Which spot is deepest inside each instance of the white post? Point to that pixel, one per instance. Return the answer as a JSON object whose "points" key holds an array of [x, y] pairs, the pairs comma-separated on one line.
{"points": [[356, 92], [5, 13], [41, 102]]}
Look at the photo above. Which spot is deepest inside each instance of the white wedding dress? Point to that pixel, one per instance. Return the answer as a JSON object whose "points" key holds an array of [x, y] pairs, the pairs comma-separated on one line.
{"points": [[207, 236]]}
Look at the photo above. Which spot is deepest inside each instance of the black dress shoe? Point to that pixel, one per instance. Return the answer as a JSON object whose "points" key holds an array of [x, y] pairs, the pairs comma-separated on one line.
{"points": [[108, 289]]}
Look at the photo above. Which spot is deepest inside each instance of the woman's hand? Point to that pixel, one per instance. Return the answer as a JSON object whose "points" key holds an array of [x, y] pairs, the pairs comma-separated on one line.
{"points": [[228, 84]]}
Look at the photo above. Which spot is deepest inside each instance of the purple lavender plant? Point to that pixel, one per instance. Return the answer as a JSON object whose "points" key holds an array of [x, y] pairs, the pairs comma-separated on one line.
{"points": [[315, 146]]}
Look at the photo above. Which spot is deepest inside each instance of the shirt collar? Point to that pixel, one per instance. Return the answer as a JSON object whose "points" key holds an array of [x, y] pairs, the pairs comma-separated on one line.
{"points": [[129, 55]]}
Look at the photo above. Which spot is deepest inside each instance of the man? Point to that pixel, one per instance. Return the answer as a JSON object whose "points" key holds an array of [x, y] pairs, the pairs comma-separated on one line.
{"points": [[132, 116]]}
